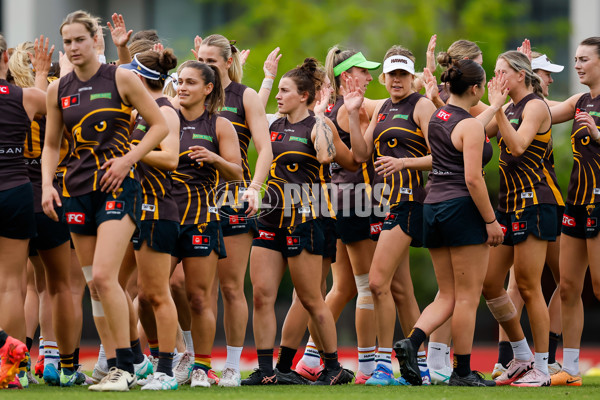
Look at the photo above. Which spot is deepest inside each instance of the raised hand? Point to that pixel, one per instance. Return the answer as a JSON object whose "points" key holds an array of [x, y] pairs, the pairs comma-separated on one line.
{"points": [[197, 44], [431, 88], [354, 95], [431, 53], [244, 56], [158, 47], [120, 34], [525, 48], [323, 102], [41, 59], [497, 91], [64, 63], [272, 63]]}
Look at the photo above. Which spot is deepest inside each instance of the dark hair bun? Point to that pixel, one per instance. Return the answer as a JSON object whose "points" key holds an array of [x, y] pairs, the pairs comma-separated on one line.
{"points": [[444, 59], [167, 60]]}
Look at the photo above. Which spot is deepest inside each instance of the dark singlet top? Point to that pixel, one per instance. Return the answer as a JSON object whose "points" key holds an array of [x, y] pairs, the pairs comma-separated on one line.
{"points": [[584, 184], [448, 167], [344, 179], [523, 179], [396, 134], [444, 92], [551, 174], [194, 183], [98, 120], [294, 162], [158, 203], [14, 125]]}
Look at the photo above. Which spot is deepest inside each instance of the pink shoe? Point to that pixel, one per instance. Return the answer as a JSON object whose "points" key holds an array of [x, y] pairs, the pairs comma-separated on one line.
{"points": [[12, 353], [516, 368], [310, 373], [361, 378], [533, 378], [213, 379]]}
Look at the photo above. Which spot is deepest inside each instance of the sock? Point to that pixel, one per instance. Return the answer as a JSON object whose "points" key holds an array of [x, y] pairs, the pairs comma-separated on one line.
{"points": [[552, 345], [285, 359], [311, 355], [417, 337], [571, 361], [541, 362], [125, 359], [136, 348], [505, 353], [3, 337], [165, 363], [233, 358], [202, 361], [41, 346], [384, 357], [436, 355], [153, 344], [66, 363], [447, 360], [101, 353], [331, 360], [265, 361], [51, 354], [366, 360], [521, 350], [76, 356], [189, 343], [462, 364], [29, 343], [111, 362]]}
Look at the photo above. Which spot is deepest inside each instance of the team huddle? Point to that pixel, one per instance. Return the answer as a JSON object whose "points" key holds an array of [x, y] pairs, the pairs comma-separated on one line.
{"points": [[135, 180]]}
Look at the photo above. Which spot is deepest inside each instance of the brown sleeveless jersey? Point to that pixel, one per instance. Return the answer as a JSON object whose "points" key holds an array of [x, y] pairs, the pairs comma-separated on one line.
{"points": [[584, 184], [523, 181], [158, 203], [448, 167], [14, 125], [396, 134], [98, 121], [194, 183], [293, 176]]}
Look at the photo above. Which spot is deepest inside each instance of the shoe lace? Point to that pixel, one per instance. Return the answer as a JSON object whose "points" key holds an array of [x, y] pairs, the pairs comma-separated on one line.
{"points": [[114, 374], [182, 366], [199, 374], [228, 373], [479, 374]]}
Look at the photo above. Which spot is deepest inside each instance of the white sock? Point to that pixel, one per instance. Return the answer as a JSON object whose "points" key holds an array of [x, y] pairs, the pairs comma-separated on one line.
{"points": [[189, 343], [521, 350], [436, 355], [233, 358], [448, 360], [51, 354], [384, 357], [311, 357], [541, 362], [571, 361], [366, 360]]}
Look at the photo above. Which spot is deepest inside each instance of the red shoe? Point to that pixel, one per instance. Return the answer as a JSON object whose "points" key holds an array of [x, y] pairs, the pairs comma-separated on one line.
{"points": [[39, 367], [15, 384], [307, 372], [213, 379], [12, 353]]}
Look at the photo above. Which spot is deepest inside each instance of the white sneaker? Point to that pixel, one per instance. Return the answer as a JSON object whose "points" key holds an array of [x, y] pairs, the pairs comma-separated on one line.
{"points": [[183, 370], [144, 368], [100, 371], [176, 359], [230, 378], [498, 370], [516, 369], [161, 381], [533, 378], [117, 380], [554, 368], [153, 361], [440, 376], [199, 378]]}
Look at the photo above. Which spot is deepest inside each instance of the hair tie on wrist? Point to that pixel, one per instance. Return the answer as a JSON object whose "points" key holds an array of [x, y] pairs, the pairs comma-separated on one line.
{"points": [[491, 222]]}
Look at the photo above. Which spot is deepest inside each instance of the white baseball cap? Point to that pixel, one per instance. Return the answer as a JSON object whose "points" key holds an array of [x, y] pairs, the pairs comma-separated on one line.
{"points": [[398, 62], [542, 62]]}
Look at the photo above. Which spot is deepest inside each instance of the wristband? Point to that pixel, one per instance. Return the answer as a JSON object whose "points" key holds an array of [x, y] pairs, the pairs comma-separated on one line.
{"points": [[267, 83], [491, 222]]}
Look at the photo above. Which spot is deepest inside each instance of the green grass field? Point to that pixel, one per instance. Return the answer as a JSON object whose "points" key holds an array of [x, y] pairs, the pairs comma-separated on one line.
{"points": [[589, 390]]}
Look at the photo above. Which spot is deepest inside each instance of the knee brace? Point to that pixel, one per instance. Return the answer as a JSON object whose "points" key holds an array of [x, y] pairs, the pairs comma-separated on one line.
{"points": [[97, 309], [365, 299], [502, 308]]}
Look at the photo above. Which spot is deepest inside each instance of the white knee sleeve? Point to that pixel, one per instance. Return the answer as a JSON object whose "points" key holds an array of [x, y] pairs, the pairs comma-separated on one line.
{"points": [[502, 308], [365, 299], [97, 309], [87, 273]]}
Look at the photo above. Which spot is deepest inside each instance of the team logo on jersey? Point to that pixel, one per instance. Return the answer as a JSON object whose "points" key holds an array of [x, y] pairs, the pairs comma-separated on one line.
{"points": [[4, 89], [291, 229], [114, 205], [381, 117], [101, 96], [200, 240], [236, 219], [230, 109], [487, 139], [518, 214], [75, 218], [514, 121], [329, 107], [298, 139], [402, 116], [277, 136], [568, 221], [591, 222], [264, 235], [70, 101], [519, 226], [376, 228], [148, 207], [443, 115], [293, 240], [390, 217], [202, 227], [590, 208]]}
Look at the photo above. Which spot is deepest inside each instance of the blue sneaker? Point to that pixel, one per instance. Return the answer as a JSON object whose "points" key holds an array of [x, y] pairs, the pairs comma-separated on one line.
{"points": [[402, 382], [67, 380], [424, 369], [382, 376], [51, 375]]}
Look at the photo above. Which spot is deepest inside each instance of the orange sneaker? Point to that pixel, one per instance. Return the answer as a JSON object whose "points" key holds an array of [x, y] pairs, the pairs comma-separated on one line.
{"points": [[12, 353], [565, 379], [361, 378], [39, 367], [213, 379]]}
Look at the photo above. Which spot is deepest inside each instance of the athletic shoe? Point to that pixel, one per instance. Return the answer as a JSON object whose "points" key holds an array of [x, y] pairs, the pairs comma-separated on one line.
{"points": [[516, 368], [498, 370], [213, 378], [31, 378], [154, 361], [100, 372], [402, 382], [161, 381], [199, 378], [51, 375], [258, 377], [22, 376], [144, 368], [563, 378], [533, 378], [82, 379], [440, 376], [310, 373], [67, 380], [39, 367], [475, 378], [338, 376], [407, 357], [361, 378], [176, 359], [425, 376], [14, 384], [290, 378], [554, 368], [183, 370], [118, 381], [12, 353], [382, 376], [230, 378]]}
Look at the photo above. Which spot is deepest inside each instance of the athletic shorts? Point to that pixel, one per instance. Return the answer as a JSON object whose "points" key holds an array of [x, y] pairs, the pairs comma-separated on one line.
{"points": [[200, 240], [452, 223], [327, 225], [560, 212], [235, 222], [352, 228], [291, 241], [581, 221], [50, 234], [85, 213], [409, 216], [17, 218], [540, 220], [160, 235]]}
